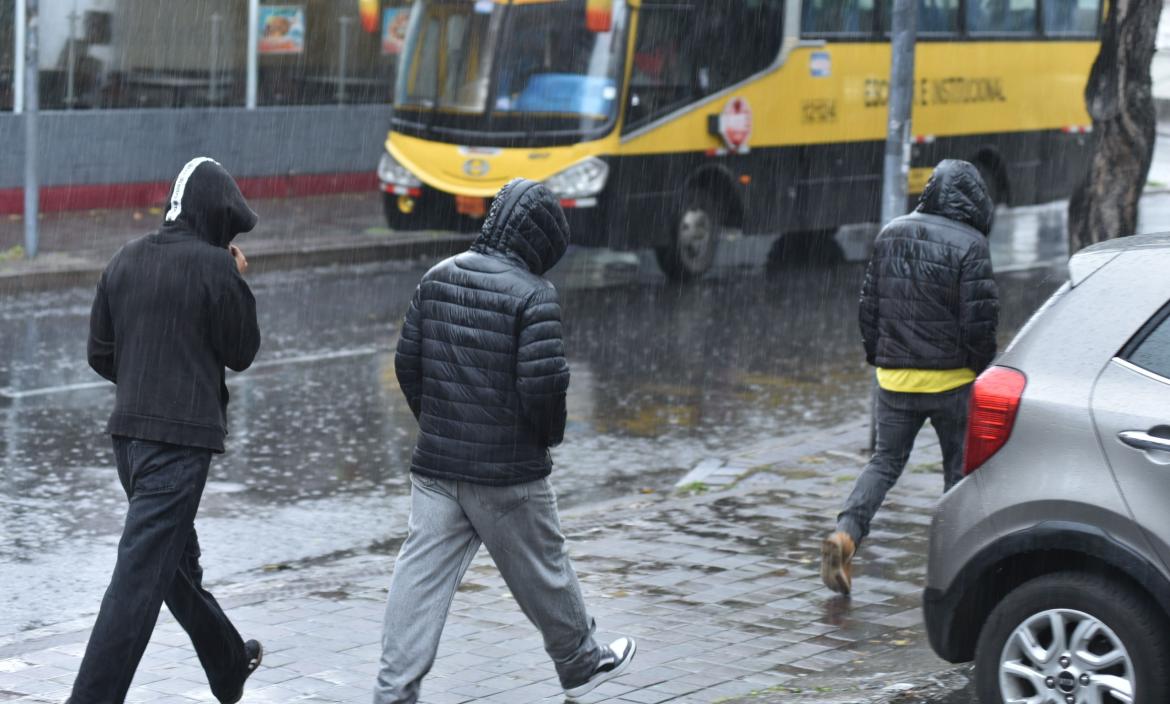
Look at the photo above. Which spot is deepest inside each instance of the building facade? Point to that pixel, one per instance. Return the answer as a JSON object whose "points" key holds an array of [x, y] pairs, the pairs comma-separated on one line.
{"points": [[292, 96]]}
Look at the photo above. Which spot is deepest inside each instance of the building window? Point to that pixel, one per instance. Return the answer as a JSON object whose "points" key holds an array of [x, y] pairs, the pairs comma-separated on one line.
{"points": [[326, 52], [153, 54], [77, 56], [179, 54]]}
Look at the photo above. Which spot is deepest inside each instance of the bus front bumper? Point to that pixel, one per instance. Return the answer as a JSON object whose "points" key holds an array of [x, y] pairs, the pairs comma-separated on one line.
{"points": [[428, 208]]}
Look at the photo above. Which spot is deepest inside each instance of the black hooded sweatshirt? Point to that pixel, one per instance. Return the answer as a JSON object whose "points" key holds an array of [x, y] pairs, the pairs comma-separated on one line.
{"points": [[480, 359], [929, 300], [172, 311]]}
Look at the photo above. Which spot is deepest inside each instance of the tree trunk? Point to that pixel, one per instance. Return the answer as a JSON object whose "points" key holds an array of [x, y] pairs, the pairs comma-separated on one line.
{"points": [[1120, 101]]}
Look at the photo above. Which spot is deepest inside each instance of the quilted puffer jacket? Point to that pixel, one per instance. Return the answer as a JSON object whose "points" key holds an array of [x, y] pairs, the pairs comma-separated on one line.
{"points": [[929, 300], [480, 358]]}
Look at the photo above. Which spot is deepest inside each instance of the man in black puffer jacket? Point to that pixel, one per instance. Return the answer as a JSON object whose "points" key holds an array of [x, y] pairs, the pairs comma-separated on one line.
{"points": [[929, 310], [482, 365]]}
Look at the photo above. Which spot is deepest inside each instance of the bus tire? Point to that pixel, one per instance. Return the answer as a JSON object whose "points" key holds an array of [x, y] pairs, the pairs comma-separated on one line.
{"points": [[694, 239], [802, 250], [992, 179]]}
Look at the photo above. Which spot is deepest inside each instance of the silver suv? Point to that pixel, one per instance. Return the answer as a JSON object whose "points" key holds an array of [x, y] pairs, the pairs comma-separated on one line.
{"points": [[1050, 562]]}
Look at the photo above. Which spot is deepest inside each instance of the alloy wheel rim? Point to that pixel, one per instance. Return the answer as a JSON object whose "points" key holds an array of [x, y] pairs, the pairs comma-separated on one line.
{"points": [[694, 236], [1064, 656]]}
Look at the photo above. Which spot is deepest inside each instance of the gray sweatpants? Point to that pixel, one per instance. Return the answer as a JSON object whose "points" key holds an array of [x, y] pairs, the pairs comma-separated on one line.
{"points": [[522, 531]]}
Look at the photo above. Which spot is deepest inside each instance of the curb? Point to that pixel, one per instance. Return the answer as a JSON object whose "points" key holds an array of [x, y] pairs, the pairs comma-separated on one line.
{"points": [[85, 272]]}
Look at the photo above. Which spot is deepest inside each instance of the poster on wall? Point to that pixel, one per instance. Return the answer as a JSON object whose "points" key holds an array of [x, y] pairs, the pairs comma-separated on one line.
{"points": [[282, 29], [394, 23]]}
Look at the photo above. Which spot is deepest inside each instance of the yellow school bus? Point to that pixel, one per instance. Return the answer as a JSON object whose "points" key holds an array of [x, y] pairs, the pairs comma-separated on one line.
{"points": [[660, 122]]}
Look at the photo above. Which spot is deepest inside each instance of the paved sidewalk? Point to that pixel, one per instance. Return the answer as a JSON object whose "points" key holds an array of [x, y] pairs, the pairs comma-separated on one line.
{"points": [[720, 587], [343, 228]]}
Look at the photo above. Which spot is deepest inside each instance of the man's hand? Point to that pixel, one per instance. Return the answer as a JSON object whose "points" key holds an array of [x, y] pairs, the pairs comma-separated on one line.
{"points": [[241, 260]]}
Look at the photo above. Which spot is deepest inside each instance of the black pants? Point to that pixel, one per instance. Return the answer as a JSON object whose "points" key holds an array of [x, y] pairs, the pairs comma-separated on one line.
{"points": [[158, 560], [899, 417]]}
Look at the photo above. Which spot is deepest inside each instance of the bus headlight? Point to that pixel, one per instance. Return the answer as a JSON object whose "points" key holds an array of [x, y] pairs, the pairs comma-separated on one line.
{"points": [[581, 180], [395, 174]]}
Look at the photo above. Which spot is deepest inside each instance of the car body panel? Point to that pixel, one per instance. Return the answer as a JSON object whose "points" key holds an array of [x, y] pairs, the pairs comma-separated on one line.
{"points": [[1055, 468], [1128, 400]]}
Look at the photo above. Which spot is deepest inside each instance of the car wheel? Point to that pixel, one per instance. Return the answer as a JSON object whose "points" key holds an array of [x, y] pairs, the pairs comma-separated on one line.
{"points": [[1073, 638], [695, 239]]}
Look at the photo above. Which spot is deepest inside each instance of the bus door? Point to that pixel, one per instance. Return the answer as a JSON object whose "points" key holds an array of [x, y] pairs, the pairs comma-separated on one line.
{"points": [[691, 62]]}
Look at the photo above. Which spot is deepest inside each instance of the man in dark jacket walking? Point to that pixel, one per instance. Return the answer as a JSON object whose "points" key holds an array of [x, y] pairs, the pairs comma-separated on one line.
{"points": [[171, 311], [482, 365], [929, 310]]}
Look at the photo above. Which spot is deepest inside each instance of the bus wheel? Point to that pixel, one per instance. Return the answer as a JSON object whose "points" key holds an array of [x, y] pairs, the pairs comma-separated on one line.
{"points": [[803, 250], [695, 239], [991, 179]]}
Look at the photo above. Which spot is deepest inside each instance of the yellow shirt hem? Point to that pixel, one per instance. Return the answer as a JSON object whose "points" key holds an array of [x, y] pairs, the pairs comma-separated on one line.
{"points": [[923, 381]]}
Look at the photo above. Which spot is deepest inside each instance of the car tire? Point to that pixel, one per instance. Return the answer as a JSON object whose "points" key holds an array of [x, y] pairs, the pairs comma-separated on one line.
{"points": [[1119, 618], [694, 239]]}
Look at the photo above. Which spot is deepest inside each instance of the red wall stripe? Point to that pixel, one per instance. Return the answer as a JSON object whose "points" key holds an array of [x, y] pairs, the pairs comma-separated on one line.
{"points": [[141, 195]]}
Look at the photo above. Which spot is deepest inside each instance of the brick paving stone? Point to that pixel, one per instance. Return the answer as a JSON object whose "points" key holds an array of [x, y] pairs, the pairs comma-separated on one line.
{"points": [[648, 695], [721, 589]]}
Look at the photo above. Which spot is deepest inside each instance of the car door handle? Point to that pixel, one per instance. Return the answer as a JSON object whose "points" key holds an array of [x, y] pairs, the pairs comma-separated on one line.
{"points": [[1144, 441]]}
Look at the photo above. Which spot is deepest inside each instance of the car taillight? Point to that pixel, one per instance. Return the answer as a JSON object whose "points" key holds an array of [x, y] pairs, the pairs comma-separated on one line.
{"points": [[994, 402]]}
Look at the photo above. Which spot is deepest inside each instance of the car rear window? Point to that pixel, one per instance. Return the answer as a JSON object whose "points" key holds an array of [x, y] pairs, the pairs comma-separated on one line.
{"points": [[1150, 348]]}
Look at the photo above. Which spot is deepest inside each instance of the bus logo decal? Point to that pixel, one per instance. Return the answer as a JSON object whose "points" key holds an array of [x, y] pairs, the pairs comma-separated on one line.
{"points": [[820, 64], [476, 168]]}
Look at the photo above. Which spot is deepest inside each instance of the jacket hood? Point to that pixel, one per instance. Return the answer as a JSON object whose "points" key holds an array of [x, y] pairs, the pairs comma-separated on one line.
{"points": [[206, 200], [956, 191], [526, 222]]}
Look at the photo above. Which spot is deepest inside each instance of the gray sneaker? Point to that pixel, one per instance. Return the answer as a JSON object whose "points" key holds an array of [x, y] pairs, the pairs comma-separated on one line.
{"points": [[615, 660]]}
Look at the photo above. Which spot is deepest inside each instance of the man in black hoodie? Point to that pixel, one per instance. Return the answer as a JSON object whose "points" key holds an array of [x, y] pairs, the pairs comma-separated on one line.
{"points": [[929, 311], [482, 365], [171, 311]]}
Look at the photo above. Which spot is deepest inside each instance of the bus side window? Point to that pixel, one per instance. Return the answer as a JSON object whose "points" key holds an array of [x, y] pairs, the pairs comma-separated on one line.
{"points": [[682, 54], [1071, 18], [829, 18], [1001, 16], [737, 40], [662, 78], [936, 18]]}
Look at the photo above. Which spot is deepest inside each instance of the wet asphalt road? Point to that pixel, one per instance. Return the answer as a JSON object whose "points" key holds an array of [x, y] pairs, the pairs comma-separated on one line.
{"points": [[663, 377]]}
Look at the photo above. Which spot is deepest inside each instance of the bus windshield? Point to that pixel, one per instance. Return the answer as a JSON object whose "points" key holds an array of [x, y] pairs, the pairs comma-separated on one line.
{"points": [[483, 66]]}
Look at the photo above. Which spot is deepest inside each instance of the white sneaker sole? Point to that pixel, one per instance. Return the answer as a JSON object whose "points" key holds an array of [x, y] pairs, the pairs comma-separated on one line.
{"points": [[581, 690]]}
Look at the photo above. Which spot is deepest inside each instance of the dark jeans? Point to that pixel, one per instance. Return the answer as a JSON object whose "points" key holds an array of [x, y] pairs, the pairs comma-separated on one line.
{"points": [[158, 560], [899, 417]]}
